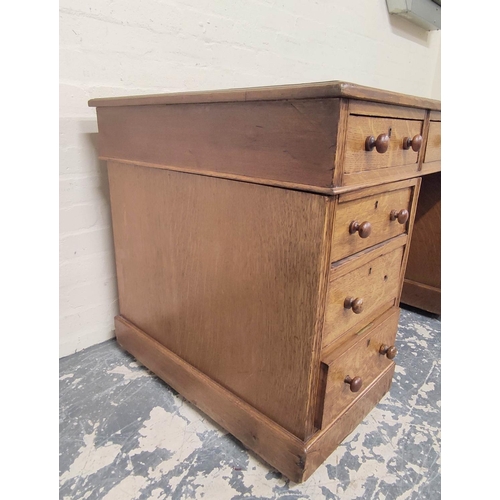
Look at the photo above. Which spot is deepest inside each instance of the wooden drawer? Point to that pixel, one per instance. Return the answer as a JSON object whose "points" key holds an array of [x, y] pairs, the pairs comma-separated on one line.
{"points": [[366, 218], [361, 165], [433, 149], [375, 283], [358, 358]]}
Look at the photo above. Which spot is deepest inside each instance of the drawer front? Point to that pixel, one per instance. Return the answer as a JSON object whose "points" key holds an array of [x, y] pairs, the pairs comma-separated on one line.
{"points": [[377, 218], [363, 360], [433, 149], [373, 288], [358, 160]]}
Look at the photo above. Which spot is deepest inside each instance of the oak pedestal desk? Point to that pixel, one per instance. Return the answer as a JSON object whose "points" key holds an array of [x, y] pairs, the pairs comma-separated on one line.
{"points": [[261, 237]]}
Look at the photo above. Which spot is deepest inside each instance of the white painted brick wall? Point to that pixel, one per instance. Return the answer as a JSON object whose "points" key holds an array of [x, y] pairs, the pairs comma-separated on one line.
{"points": [[112, 48]]}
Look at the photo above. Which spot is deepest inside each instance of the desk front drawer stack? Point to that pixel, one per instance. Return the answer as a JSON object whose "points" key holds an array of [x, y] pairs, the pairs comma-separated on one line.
{"points": [[371, 231], [261, 239]]}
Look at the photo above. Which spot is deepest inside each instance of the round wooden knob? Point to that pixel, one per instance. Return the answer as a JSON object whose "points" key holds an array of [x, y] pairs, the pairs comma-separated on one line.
{"points": [[364, 229], [356, 304], [389, 351], [402, 216], [381, 143], [415, 143], [354, 383]]}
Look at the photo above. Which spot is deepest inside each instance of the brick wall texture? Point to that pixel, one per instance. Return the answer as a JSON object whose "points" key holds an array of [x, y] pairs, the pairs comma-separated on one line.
{"points": [[125, 47]]}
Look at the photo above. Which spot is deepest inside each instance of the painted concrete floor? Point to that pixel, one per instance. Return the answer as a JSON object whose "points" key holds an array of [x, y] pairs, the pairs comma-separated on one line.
{"points": [[125, 435]]}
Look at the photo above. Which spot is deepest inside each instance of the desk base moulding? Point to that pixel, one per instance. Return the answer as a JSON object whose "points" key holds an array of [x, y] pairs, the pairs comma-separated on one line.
{"points": [[293, 457]]}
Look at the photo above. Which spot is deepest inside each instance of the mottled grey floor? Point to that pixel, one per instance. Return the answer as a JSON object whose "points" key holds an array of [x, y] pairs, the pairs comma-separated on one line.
{"points": [[126, 435]]}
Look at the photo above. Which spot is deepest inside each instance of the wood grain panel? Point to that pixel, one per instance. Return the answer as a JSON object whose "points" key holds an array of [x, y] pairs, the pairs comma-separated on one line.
{"points": [[358, 357], [411, 222], [430, 168], [318, 327], [353, 262], [375, 109], [424, 259], [349, 194], [358, 160], [315, 90], [421, 296], [433, 150], [290, 141], [341, 135], [376, 210], [273, 443], [291, 456], [235, 177], [376, 177], [227, 275], [377, 282], [322, 444], [435, 116]]}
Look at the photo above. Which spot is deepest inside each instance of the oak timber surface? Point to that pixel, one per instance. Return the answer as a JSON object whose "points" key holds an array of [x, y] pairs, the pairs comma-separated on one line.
{"points": [[325, 442], [287, 453], [359, 358], [357, 159], [256, 431], [376, 283], [277, 92], [422, 287], [366, 108], [433, 151], [424, 263], [290, 141], [227, 276], [234, 277], [375, 210]]}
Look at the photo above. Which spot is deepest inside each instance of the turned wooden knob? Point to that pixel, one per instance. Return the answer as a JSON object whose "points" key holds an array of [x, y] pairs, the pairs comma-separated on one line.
{"points": [[381, 143], [402, 216], [364, 229], [354, 383], [389, 351], [415, 143], [356, 304]]}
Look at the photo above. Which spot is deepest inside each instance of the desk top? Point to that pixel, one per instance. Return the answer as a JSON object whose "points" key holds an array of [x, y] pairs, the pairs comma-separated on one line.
{"points": [[273, 93]]}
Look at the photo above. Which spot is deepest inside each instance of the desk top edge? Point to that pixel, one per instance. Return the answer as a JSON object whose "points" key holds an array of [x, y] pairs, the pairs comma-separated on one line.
{"points": [[272, 93]]}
